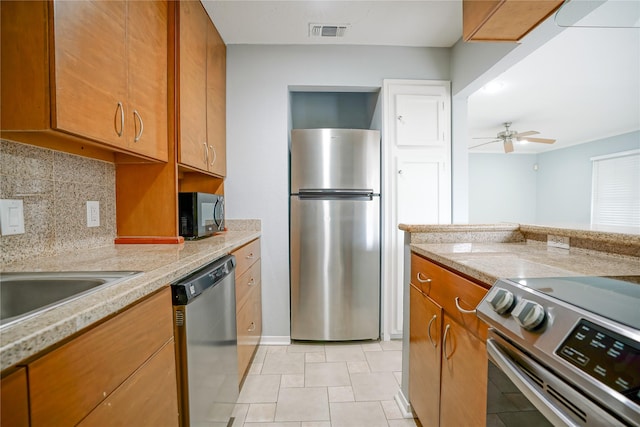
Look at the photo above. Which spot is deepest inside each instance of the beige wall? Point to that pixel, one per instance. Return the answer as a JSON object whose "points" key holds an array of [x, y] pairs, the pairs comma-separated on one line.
{"points": [[55, 187]]}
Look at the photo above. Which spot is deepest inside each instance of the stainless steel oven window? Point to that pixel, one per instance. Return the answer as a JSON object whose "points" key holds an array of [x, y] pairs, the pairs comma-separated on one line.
{"points": [[558, 402]]}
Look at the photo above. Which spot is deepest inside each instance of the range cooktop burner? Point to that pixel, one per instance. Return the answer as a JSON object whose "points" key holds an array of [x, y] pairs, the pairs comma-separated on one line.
{"points": [[616, 298]]}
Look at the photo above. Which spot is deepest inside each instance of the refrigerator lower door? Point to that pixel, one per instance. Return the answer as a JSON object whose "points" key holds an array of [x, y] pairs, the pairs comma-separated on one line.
{"points": [[335, 269]]}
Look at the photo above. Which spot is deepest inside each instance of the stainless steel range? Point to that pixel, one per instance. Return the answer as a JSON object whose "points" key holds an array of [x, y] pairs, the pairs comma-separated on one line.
{"points": [[571, 345]]}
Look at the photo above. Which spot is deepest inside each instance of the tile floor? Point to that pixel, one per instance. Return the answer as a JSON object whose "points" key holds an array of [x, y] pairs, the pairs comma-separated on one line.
{"points": [[323, 385]]}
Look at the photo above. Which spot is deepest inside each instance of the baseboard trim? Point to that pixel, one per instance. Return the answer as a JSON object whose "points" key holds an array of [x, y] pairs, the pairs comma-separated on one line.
{"points": [[275, 340], [403, 404]]}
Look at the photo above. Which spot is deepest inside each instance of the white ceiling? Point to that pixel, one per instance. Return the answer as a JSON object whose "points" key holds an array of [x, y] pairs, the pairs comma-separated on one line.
{"points": [[389, 23], [582, 85]]}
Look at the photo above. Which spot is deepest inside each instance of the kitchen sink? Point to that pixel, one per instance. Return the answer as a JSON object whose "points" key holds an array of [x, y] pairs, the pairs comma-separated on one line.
{"points": [[26, 294]]}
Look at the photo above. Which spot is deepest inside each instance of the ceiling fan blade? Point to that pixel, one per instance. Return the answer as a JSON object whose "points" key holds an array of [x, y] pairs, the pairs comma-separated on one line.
{"points": [[508, 146], [485, 137], [531, 132], [543, 140], [484, 143]]}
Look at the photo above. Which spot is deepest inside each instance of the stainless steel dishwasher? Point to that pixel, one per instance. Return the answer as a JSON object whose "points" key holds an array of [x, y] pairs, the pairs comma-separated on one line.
{"points": [[204, 306]]}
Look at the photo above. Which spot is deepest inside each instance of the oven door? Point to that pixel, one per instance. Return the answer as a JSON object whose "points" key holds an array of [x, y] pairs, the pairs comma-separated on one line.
{"points": [[521, 391]]}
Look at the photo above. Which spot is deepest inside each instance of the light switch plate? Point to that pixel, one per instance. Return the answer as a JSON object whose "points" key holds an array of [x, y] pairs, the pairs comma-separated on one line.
{"points": [[11, 217], [93, 213]]}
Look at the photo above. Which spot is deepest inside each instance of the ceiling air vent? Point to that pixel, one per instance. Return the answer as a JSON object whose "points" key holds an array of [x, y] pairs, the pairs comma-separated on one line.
{"points": [[327, 30]]}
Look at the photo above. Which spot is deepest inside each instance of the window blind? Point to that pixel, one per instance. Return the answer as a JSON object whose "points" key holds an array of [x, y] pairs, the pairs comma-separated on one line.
{"points": [[615, 197]]}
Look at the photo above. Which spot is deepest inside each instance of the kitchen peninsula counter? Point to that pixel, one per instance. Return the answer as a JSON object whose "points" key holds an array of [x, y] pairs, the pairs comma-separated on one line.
{"points": [[486, 253], [159, 264]]}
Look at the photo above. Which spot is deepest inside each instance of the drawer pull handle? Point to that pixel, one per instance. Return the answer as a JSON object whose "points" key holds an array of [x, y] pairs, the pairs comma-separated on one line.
{"points": [[433, 343], [462, 310], [444, 342], [250, 256], [252, 327], [422, 279], [251, 282]]}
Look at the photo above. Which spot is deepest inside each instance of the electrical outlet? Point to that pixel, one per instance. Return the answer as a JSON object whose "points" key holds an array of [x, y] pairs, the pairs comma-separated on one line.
{"points": [[11, 217], [561, 242], [93, 214]]}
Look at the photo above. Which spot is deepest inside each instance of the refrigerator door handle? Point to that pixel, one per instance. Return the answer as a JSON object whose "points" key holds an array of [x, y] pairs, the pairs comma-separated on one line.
{"points": [[336, 194]]}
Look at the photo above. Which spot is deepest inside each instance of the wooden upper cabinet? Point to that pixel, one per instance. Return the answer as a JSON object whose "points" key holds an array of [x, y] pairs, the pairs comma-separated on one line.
{"points": [[89, 43], [216, 101], [147, 52], [503, 20], [192, 116], [202, 91], [82, 76]]}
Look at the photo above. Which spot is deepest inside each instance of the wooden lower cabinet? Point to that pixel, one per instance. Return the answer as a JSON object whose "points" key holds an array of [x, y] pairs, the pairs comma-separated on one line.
{"points": [[463, 390], [145, 398], [248, 304], [447, 353], [425, 355], [122, 370], [14, 399]]}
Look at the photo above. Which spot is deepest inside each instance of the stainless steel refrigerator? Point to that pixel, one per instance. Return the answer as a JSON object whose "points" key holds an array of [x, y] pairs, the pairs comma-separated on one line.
{"points": [[335, 234]]}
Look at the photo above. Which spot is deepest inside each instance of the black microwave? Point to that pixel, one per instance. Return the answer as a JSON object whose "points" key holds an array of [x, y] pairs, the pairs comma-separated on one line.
{"points": [[200, 214]]}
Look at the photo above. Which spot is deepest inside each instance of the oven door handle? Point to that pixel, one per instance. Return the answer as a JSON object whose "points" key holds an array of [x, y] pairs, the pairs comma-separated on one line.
{"points": [[554, 414]]}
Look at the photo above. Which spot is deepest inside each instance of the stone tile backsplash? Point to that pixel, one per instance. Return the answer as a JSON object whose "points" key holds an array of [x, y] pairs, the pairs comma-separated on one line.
{"points": [[55, 188]]}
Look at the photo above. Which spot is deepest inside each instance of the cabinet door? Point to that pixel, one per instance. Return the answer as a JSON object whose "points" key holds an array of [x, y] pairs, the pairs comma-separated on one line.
{"points": [[193, 21], [14, 403], [463, 396], [424, 357], [146, 115], [90, 69], [67, 383], [216, 101], [149, 397]]}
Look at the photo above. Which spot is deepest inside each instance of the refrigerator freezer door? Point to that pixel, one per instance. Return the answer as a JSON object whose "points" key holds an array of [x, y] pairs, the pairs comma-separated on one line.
{"points": [[335, 159], [335, 269]]}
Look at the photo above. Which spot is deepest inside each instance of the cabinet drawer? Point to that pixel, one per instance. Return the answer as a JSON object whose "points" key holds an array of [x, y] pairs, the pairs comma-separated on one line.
{"points": [[246, 256], [246, 282], [70, 381], [148, 397], [444, 286]]}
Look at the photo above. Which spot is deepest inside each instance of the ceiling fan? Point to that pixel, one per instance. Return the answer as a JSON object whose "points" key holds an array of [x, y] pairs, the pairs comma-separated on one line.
{"points": [[507, 137]]}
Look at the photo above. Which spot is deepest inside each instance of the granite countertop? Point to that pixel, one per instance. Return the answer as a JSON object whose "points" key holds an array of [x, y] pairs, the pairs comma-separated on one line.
{"points": [[160, 264], [487, 262]]}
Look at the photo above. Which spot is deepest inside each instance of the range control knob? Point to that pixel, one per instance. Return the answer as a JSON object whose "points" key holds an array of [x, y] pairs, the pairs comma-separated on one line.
{"points": [[501, 300], [530, 315]]}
